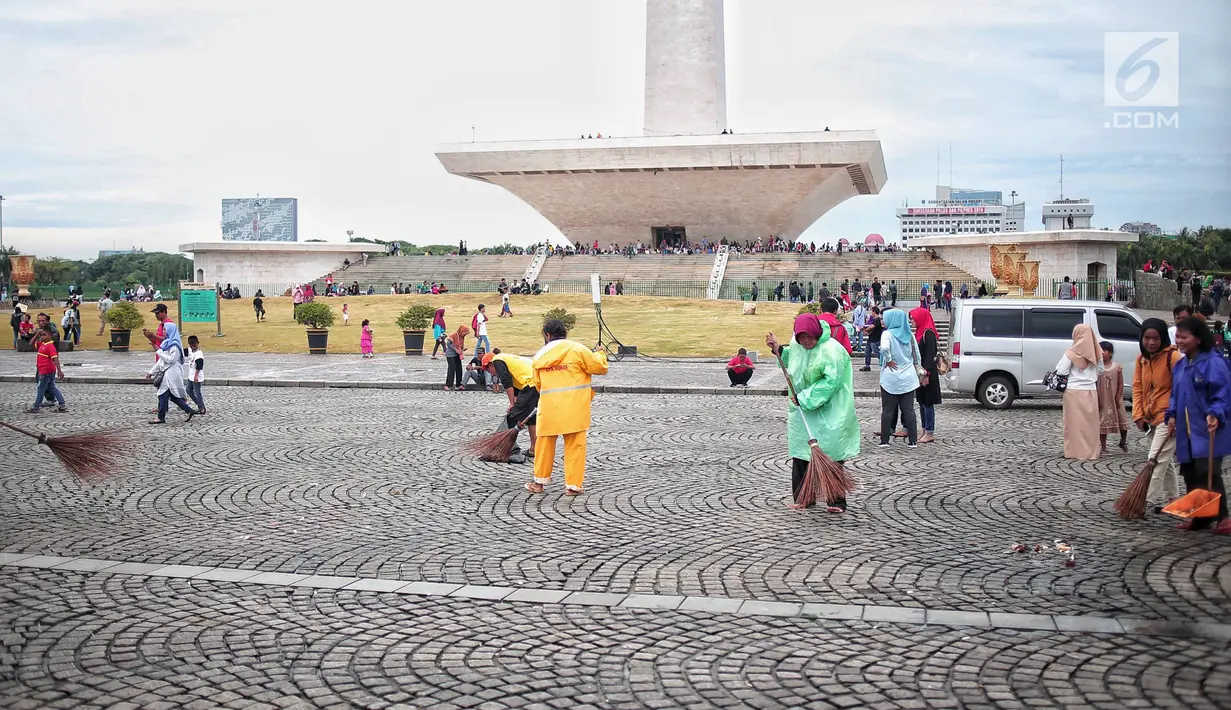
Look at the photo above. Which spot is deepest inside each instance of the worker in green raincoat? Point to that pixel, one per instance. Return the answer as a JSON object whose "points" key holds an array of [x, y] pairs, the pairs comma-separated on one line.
{"points": [[820, 370]]}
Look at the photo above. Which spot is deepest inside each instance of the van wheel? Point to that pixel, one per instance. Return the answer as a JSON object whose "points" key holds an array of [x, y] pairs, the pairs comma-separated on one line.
{"points": [[996, 392]]}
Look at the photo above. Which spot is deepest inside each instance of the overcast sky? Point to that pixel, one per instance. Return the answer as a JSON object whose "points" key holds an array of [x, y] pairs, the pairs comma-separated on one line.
{"points": [[124, 122]]}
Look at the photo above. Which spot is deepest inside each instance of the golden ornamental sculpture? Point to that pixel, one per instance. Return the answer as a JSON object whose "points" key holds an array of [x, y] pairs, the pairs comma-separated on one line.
{"points": [[22, 273], [1013, 273]]}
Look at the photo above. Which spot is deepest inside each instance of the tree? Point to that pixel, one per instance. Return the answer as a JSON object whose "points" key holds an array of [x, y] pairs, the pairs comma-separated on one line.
{"points": [[56, 271], [6, 266], [1207, 249]]}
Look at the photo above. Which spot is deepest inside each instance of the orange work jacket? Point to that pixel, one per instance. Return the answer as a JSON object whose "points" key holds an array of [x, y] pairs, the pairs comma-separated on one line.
{"points": [[1152, 385], [562, 371]]}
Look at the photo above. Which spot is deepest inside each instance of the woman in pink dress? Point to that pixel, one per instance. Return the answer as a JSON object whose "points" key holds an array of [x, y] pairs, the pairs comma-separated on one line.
{"points": [[365, 339]]}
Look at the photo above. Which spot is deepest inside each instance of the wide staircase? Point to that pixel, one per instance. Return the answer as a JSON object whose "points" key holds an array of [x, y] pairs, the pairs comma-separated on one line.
{"points": [[681, 276], [477, 273], [909, 269]]}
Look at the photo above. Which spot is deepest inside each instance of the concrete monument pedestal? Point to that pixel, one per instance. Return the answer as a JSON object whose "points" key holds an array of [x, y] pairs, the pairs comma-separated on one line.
{"points": [[687, 177]]}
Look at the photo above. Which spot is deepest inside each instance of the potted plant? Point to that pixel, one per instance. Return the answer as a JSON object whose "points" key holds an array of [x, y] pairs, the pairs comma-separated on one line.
{"points": [[561, 315], [414, 322], [317, 317], [124, 318]]}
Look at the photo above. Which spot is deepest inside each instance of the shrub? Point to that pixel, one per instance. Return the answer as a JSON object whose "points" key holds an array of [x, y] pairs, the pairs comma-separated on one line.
{"points": [[125, 316], [418, 317], [814, 308], [314, 315], [562, 315]]}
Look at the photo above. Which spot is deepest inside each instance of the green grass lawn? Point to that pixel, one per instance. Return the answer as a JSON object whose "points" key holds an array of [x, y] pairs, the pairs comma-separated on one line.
{"points": [[657, 326]]}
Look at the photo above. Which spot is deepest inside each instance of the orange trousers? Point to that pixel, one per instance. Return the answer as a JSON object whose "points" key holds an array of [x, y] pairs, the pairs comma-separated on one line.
{"points": [[574, 459]]}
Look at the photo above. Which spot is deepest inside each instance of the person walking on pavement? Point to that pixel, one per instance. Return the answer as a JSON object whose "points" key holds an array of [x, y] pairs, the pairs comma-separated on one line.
{"points": [[168, 374], [47, 369], [479, 326]]}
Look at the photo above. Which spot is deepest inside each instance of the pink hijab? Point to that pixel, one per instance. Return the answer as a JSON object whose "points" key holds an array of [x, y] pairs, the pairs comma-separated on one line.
{"points": [[808, 323]]}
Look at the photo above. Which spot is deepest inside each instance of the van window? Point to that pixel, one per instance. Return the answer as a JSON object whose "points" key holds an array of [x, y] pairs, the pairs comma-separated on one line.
{"points": [[996, 323], [1053, 323], [1114, 325]]}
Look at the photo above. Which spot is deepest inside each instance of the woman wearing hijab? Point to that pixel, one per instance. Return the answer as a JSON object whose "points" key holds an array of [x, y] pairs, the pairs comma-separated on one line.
{"points": [[169, 369], [899, 377], [1083, 366], [455, 350], [438, 331], [820, 370], [1197, 417], [928, 394]]}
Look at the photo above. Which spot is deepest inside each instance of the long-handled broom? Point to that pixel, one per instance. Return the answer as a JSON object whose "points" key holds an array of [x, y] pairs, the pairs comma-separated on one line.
{"points": [[1132, 503], [498, 446], [825, 477], [90, 456]]}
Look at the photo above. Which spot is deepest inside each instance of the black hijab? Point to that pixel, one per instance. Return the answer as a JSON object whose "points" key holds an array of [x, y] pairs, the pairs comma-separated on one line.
{"points": [[1163, 335]]}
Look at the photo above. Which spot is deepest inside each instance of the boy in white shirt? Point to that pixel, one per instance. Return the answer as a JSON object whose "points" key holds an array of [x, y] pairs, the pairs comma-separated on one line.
{"points": [[480, 329], [196, 372]]}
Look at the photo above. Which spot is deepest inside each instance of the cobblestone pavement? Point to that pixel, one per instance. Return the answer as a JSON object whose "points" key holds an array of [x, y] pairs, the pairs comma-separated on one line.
{"points": [[684, 497]]}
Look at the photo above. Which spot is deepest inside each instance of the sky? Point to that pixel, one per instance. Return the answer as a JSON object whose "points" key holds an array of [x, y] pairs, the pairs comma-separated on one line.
{"points": [[124, 123]]}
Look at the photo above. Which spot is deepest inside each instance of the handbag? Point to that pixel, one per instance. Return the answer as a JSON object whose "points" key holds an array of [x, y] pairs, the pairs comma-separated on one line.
{"points": [[942, 363], [924, 376], [158, 379], [1055, 381]]}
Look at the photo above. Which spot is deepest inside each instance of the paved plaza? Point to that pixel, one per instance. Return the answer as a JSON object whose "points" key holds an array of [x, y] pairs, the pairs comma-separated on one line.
{"points": [[311, 548]]}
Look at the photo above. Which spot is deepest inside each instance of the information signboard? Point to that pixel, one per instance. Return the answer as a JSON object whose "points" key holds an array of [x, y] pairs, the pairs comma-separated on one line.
{"points": [[198, 305]]}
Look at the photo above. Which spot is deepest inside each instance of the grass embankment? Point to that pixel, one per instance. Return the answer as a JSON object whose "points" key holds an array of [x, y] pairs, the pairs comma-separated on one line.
{"points": [[657, 326]]}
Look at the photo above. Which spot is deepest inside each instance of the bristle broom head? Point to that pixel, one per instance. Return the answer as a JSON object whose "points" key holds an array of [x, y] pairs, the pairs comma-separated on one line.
{"points": [[91, 456], [495, 447], [1132, 504]]}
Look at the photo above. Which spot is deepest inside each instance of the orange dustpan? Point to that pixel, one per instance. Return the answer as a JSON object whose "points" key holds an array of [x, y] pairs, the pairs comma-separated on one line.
{"points": [[1198, 503]]}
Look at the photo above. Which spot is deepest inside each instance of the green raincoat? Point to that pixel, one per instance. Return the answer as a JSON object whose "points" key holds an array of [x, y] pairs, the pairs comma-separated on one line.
{"points": [[822, 379]]}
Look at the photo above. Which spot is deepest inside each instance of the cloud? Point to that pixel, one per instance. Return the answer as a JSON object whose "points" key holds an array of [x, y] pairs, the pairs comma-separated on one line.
{"points": [[130, 120]]}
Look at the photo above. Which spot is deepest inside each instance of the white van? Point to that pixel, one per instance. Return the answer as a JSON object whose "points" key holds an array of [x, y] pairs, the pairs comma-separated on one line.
{"points": [[1002, 348]]}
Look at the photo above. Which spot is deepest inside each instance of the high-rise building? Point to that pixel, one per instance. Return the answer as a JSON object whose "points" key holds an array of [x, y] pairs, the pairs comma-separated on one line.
{"points": [[260, 219], [960, 211]]}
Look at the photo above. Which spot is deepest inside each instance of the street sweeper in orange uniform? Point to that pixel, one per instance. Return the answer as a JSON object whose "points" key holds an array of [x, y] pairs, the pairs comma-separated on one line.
{"points": [[562, 372]]}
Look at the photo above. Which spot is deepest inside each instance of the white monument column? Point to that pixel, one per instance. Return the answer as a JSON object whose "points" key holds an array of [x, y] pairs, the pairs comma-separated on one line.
{"points": [[685, 68]]}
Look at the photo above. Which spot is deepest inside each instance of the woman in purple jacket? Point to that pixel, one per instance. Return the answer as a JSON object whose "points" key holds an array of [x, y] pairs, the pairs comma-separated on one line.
{"points": [[1198, 416]]}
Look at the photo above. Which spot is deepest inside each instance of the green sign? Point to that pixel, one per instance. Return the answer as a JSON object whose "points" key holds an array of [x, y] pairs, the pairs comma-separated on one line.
{"points": [[198, 305]]}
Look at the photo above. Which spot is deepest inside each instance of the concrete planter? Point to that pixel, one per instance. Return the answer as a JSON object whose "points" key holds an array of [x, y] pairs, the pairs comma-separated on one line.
{"points": [[318, 340], [120, 339], [412, 340]]}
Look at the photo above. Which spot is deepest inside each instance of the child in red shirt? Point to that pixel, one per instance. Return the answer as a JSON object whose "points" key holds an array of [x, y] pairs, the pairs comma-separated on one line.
{"points": [[740, 369], [48, 368]]}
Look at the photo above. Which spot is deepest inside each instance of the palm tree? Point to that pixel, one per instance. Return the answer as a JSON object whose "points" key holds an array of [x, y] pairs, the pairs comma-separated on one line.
{"points": [[6, 266]]}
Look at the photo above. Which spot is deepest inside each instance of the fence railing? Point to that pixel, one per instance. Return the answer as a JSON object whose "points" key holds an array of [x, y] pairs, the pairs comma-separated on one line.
{"points": [[59, 292], [1087, 290]]}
